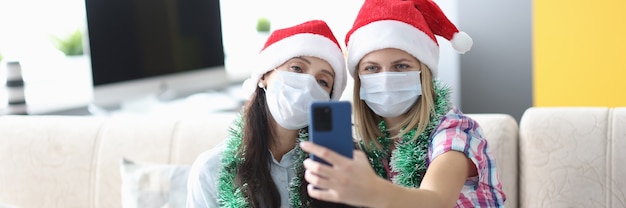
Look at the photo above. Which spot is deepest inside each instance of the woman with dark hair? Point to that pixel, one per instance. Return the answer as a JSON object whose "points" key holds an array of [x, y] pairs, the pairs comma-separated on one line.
{"points": [[260, 164]]}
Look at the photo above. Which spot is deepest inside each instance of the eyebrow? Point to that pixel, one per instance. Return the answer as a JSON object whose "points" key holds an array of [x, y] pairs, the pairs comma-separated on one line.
{"points": [[303, 59], [368, 62], [332, 75], [401, 60], [395, 62]]}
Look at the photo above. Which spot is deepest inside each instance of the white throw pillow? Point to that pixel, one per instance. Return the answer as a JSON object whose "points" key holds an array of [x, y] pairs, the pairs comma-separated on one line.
{"points": [[150, 185]]}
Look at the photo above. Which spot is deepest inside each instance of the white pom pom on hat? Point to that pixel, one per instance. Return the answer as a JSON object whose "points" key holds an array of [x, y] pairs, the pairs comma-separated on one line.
{"points": [[408, 25], [461, 42]]}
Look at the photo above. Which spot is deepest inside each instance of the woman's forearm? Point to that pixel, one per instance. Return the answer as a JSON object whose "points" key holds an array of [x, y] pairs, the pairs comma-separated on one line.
{"points": [[392, 195]]}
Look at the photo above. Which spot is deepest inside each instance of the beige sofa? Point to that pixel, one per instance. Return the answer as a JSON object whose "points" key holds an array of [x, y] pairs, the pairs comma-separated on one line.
{"points": [[64, 161], [573, 157]]}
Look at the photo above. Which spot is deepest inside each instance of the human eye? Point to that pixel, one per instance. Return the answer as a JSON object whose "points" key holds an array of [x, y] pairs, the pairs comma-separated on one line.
{"points": [[296, 68], [325, 80], [370, 69], [402, 67], [323, 83]]}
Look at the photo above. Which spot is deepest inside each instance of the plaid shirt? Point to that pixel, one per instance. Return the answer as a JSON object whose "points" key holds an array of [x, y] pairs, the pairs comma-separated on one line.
{"points": [[457, 132]]}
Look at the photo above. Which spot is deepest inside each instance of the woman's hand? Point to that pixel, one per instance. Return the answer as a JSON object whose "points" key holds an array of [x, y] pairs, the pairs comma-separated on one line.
{"points": [[347, 181], [354, 182]]}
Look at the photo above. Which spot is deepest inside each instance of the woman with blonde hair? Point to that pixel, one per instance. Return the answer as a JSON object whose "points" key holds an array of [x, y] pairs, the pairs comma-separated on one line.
{"points": [[418, 149]]}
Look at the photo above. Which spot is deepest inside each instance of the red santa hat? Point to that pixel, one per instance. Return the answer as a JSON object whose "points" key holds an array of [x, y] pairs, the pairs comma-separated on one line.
{"points": [[311, 38], [408, 25]]}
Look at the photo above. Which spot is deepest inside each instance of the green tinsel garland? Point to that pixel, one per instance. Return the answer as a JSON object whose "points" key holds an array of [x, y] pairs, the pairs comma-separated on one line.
{"points": [[410, 171], [230, 195], [409, 157], [296, 182]]}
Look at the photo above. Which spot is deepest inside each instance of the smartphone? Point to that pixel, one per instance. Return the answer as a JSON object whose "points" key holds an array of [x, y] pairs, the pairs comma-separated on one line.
{"points": [[330, 125]]}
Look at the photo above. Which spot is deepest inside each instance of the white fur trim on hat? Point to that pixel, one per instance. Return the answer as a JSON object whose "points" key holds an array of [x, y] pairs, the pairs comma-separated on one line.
{"points": [[305, 44], [392, 34]]}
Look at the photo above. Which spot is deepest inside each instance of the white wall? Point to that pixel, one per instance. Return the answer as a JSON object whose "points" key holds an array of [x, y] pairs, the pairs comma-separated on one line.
{"points": [[28, 25], [242, 42], [26, 31], [449, 60]]}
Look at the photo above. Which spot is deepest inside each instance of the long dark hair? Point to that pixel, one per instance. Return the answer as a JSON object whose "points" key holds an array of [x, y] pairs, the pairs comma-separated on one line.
{"points": [[261, 191], [255, 168]]}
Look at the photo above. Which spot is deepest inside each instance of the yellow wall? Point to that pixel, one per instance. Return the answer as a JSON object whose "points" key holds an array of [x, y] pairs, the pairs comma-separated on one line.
{"points": [[579, 53]]}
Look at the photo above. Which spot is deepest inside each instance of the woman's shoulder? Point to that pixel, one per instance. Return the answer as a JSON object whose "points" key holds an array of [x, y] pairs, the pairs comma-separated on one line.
{"points": [[209, 161], [454, 118], [203, 178], [455, 112], [459, 132]]}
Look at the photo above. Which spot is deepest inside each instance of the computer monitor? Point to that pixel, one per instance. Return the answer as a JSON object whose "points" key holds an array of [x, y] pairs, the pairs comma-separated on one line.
{"points": [[163, 48]]}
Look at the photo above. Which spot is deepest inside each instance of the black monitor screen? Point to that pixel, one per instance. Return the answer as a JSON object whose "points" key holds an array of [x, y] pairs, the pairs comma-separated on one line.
{"points": [[134, 39]]}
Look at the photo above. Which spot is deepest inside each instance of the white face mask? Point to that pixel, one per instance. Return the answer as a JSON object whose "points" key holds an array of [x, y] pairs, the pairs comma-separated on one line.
{"points": [[390, 94], [289, 98]]}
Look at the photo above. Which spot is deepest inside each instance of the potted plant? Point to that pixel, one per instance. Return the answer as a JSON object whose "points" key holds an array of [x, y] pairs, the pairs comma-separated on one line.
{"points": [[263, 25], [71, 44]]}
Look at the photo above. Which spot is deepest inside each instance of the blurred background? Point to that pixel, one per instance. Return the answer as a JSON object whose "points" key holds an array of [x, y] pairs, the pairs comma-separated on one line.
{"points": [[526, 53]]}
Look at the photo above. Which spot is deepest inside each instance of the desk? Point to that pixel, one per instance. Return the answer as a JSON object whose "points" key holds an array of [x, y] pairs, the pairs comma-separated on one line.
{"points": [[69, 91], [51, 95], [227, 99]]}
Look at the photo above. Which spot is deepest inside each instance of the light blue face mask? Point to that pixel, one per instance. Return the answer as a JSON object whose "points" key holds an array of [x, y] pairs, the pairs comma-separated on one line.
{"points": [[390, 94], [289, 98]]}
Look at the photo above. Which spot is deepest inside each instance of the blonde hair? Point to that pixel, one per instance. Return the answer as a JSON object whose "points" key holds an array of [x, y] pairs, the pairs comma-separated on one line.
{"points": [[418, 116]]}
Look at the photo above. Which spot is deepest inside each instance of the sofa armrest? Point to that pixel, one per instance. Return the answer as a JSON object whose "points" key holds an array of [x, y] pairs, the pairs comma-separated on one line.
{"points": [[501, 132]]}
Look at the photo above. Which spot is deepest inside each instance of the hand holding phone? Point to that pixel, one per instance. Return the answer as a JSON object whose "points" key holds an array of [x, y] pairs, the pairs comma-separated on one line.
{"points": [[331, 126]]}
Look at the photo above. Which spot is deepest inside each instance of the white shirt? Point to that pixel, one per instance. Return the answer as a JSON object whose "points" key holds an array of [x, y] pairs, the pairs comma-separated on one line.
{"points": [[202, 188]]}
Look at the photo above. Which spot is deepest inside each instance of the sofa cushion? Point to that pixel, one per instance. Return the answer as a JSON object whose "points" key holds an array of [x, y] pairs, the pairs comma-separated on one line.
{"points": [[572, 157], [149, 185]]}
